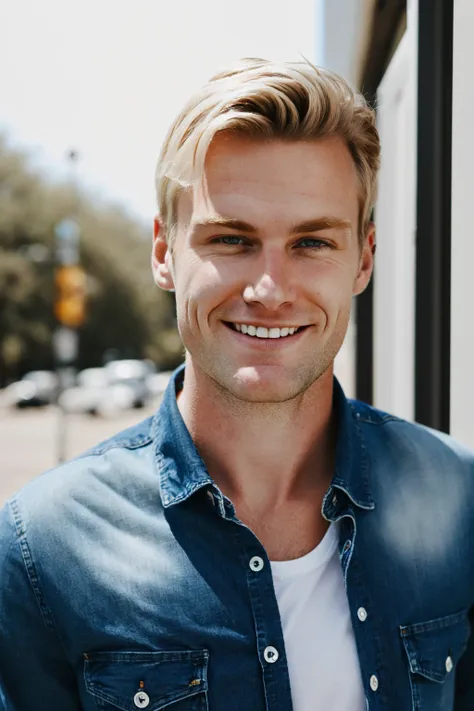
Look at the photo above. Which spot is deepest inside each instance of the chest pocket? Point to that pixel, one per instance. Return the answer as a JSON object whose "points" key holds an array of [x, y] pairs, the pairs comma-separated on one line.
{"points": [[152, 680], [433, 649]]}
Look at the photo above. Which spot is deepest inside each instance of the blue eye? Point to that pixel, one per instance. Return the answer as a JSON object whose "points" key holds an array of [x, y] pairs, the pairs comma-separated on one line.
{"points": [[232, 240], [312, 243]]}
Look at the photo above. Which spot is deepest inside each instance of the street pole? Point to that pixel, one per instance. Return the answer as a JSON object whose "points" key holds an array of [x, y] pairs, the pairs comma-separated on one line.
{"points": [[69, 308]]}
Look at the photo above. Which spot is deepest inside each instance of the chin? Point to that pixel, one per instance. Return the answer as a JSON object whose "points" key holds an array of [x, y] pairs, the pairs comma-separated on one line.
{"points": [[264, 388]]}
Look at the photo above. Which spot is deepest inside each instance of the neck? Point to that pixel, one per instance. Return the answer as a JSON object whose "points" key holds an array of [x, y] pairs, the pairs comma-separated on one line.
{"points": [[268, 453]]}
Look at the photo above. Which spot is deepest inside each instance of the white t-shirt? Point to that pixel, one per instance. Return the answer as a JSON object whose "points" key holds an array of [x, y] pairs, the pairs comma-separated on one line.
{"points": [[317, 629]]}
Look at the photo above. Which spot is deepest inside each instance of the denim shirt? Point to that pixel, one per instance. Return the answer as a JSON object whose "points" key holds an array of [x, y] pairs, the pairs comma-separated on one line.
{"points": [[126, 579]]}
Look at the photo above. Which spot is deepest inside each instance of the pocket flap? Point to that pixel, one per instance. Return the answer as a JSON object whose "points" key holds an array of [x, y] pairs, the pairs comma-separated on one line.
{"points": [[435, 647], [165, 677]]}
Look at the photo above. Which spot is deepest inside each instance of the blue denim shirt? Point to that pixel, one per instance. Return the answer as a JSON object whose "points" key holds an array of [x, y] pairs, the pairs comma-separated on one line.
{"points": [[125, 576]]}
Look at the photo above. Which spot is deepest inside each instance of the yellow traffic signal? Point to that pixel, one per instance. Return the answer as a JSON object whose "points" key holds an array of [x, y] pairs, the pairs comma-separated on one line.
{"points": [[69, 306]]}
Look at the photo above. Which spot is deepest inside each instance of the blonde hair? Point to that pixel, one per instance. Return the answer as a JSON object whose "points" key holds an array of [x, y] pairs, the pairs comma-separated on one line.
{"points": [[264, 99]]}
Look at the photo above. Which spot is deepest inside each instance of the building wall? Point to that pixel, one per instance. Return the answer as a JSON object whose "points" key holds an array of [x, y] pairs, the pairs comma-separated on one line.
{"points": [[462, 240], [343, 22], [340, 26], [395, 219]]}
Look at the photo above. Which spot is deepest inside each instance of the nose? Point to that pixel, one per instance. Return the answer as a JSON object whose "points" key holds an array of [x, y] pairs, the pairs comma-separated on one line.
{"points": [[270, 284]]}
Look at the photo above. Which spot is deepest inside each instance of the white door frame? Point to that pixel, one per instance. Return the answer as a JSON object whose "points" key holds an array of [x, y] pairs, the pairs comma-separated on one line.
{"points": [[395, 218]]}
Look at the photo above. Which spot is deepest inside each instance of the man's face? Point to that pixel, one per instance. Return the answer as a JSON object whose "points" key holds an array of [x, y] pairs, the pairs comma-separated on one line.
{"points": [[274, 247]]}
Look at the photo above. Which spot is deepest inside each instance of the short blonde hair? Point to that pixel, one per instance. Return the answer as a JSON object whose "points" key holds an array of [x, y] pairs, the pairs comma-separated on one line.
{"points": [[263, 99]]}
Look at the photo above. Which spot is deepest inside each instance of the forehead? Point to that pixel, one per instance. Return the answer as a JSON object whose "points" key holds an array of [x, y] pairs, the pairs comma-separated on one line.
{"points": [[274, 180]]}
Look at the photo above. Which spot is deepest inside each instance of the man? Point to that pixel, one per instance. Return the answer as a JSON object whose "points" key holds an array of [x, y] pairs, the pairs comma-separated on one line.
{"points": [[261, 543]]}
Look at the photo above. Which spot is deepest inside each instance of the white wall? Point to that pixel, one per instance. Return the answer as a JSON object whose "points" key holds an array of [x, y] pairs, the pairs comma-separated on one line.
{"points": [[395, 218], [337, 43], [343, 25], [462, 260]]}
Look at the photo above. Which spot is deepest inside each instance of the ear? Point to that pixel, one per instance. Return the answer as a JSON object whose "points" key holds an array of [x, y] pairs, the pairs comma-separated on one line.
{"points": [[366, 261], [161, 258]]}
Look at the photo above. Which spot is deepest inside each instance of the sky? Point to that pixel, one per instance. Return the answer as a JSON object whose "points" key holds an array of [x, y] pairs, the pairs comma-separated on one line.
{"points": [[107, 77]]}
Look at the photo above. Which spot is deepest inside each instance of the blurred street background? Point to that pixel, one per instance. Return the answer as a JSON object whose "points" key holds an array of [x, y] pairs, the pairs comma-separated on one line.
{"points": [[88, 91], [28, 441]]}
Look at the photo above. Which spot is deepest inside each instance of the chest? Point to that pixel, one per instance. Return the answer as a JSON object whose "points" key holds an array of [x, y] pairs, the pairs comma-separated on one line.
{"points": [[288, 532], [186, 612]]}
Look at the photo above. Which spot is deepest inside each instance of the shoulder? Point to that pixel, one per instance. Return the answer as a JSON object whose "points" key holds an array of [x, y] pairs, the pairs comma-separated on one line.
{"points": [[119, 469], [409, 439]]}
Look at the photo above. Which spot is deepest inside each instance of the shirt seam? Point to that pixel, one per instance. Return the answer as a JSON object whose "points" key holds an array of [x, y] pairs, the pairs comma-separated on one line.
{"points": [[97, 451], [32, 574]]}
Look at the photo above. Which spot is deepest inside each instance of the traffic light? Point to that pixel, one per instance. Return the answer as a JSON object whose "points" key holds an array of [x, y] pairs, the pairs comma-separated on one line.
{"points": [[69, 306]]}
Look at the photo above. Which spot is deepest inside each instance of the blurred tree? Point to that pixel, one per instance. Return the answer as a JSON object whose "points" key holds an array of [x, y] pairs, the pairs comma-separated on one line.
{"points": [[125, 310]]}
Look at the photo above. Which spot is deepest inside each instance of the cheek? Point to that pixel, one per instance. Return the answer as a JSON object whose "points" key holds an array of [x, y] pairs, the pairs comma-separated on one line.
{"points": [[332, 282], [203, 287]]}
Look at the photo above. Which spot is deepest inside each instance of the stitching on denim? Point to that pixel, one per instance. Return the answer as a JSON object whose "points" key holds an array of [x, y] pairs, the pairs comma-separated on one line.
{"points": [[196, 657], [364, 464], [31, 572], [361, 411], [141, 441], [188, 489], [415, 698], [432, 625], [117, 442]]}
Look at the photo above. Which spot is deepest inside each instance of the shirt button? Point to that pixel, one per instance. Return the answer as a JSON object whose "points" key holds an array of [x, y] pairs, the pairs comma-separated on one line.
{"points": [[141, 700], [256, 563], [210, 496], [271, 655], [449, 665], [374, 683], [334, 500], [362, 614]]}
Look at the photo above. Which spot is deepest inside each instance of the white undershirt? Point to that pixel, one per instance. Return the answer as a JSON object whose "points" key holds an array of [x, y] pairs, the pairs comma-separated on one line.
{"points": [[317, 629]]}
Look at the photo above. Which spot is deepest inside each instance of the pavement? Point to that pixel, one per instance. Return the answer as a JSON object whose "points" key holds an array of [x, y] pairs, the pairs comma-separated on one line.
{"points": [[29, 440]]}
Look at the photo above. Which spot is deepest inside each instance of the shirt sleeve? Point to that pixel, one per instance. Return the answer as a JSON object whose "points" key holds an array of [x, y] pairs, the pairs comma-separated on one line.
{"points": [[34, 670]]}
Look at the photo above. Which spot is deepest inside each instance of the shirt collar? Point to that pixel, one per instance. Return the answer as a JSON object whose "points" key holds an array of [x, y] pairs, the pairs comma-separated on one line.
{"points": [[182, 471], [352, 463]]}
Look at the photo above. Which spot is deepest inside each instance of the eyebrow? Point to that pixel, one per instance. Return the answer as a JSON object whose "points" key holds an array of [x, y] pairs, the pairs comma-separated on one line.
{"points": [[315, 225]]}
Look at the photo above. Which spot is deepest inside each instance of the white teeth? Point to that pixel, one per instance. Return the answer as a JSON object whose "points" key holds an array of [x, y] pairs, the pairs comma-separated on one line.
{"points": [[262, 332]]}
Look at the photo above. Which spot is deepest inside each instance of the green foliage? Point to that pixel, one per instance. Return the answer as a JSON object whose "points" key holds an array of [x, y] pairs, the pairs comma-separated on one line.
{"points": [[126, 312]]}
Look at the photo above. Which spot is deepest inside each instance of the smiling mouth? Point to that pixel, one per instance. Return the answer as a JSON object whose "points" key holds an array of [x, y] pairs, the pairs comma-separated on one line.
{"points": [[263, 332]]}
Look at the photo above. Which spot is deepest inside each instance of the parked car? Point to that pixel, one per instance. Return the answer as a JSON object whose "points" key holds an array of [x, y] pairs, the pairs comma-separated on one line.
{"points": [[36, 389], [132, 373], [95, 394], [119, 385]]}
